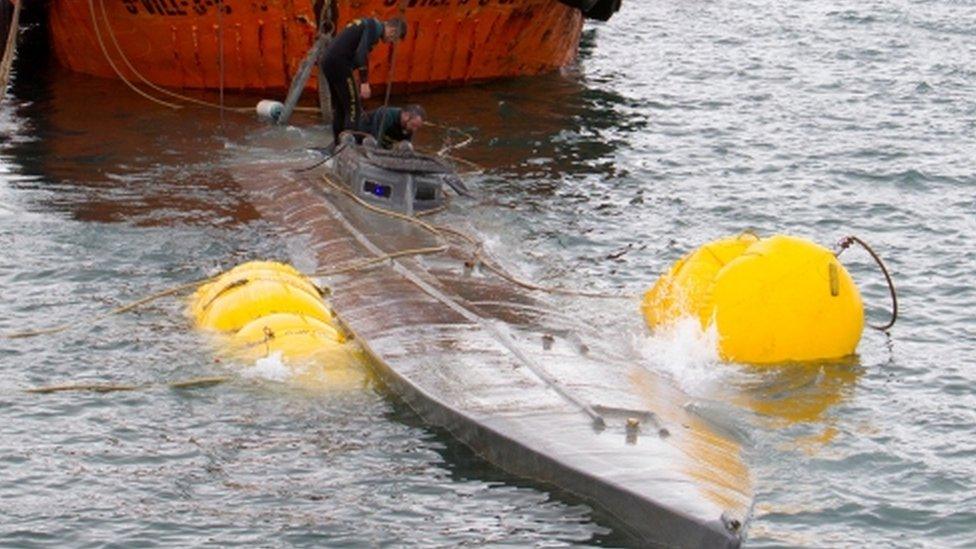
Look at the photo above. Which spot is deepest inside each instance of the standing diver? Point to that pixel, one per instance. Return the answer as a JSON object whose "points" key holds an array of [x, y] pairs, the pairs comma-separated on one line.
{"points": [[350, 51]]}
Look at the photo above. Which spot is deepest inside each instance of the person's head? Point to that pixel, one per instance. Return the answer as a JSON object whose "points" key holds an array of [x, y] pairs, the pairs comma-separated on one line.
{"points": [[394, 30], [412, 118]]}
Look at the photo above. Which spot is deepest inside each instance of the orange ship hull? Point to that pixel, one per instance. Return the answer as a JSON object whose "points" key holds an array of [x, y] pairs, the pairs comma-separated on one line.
{"points": [[177, 43]]}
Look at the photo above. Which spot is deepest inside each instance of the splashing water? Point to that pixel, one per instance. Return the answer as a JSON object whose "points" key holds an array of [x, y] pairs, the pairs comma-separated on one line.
{"points": [[686, 352], [270, 368]]}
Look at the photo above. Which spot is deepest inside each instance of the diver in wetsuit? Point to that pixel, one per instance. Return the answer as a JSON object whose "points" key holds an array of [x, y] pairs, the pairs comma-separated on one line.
{"points": [[349, 51], [390, 125]]}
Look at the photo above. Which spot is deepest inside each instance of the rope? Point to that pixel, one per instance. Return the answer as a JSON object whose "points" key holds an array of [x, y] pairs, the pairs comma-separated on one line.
{"points": [[270, 335], [401, 11], [10, 49], [439, 231], [146, 81], [150, 84], [501, 336], [362, 264], [389, 78], [320, 162], [846, 243], [220, 58], [118, 310], [476, 168], [192, 383], [447, 147], [101, 44]]}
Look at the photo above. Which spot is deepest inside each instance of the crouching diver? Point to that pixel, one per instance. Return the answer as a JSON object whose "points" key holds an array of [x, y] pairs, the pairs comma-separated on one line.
{"points": [[393, 126], [390, 125], [349, 51]]}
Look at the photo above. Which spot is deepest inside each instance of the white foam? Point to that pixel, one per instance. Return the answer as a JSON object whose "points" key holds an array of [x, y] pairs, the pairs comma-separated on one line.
{"points": [[687, 353], [270, 368]]}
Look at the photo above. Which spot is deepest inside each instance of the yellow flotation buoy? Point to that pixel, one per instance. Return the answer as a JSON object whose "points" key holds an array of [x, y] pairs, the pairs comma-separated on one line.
{"points": [[770, 300], [249, 272], [242, 303], [274, 317], [296, 336], [685, 289]]}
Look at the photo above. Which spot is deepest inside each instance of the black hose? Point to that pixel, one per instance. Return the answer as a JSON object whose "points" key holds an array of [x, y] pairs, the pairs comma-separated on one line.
{"points": [[846, 243], [320, 162]]}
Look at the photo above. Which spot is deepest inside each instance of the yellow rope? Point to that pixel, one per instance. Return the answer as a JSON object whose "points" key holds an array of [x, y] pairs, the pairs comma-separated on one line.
{"points": [[118, 310], [139, 75], [362, 264], [150, 84], [101, 44], [395, 215], [439, 231]]}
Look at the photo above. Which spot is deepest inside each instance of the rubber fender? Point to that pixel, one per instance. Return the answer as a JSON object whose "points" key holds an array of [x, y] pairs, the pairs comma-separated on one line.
{"points": [[295, 336], [263, 270], [785, 299], [240, 304], [684, 290]]}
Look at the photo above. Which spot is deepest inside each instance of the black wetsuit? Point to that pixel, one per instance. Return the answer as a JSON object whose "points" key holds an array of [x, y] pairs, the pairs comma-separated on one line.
{"points": [[384, 124], [349, 51]]}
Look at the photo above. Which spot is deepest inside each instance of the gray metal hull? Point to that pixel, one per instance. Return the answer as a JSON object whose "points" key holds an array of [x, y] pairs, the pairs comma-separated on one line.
{"points": [[535, 392]]}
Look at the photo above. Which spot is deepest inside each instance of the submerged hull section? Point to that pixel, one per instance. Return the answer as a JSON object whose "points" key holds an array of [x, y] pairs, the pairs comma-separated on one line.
{"points": [[535, 392], [177, 44]]}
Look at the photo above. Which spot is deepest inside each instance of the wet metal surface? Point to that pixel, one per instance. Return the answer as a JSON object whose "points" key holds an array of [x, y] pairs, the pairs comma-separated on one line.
{"points": [[526, 409]]}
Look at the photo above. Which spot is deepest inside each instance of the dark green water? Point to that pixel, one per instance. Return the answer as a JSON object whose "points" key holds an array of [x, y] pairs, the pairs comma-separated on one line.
{"points": [[682, 122]]}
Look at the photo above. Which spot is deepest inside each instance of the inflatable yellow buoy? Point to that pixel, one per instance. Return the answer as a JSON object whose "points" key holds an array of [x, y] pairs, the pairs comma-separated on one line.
{"points": [[250, 272], [273, 316], [685, 289], [242, 303], [295, 336], [772, 300]]}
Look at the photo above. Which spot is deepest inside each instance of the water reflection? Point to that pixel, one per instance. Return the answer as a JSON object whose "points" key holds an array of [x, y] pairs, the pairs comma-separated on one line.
{"points": [[799, 393], [108, 155], [532, 132], [578, 521]]}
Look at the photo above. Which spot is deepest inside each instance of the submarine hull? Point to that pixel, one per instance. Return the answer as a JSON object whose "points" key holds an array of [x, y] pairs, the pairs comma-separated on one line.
{"points": [[536, 392]]}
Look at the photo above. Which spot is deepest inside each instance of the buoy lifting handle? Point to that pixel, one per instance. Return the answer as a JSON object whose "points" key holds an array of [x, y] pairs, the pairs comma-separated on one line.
{"points": [[845, 243]]}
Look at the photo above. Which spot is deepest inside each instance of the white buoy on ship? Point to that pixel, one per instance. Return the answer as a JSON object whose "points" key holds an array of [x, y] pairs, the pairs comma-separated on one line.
{"points": [[269, 109]]}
